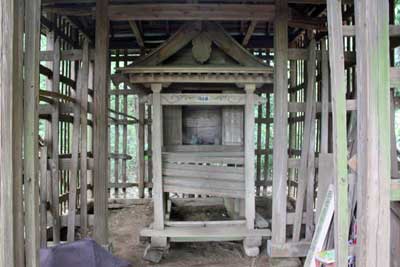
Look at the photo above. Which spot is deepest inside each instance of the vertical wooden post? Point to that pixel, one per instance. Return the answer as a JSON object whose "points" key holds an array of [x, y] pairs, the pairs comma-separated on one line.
{"points": [[43, 197], [324, 98], [157, 139], [373, 124], [7, 86], [116, 133], [84, 72], [124, 131], [149, 149], [249, 156], [325, 159], [100, 147], [31, 102], [55, 177], [18, 90], [140, 148], [339, 136], [280, 156]]}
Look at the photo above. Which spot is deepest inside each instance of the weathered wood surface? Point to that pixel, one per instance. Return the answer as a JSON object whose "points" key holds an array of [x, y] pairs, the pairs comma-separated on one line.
{"points": [[100, 148], [307, 169], [250, 207], [140, 150], [192, 12], [394, 234], [322, 228], [76, 139], [17, 161], [208, 233], [31, 127], [373, 119], [7, 87], [203, 148], [43, 196], [84, 71], [55, 117], [172, 127], [339, 136], [249, 33], [280, 156], [157, 142]]}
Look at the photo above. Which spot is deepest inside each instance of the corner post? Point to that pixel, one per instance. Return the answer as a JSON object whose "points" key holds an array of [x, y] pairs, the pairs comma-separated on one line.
{"points": [[157, 158], [249, 156]]}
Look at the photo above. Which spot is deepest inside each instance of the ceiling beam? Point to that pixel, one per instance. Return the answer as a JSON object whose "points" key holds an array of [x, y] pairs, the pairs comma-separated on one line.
{"points": [[249, 33], [137, 33], [312, 2], [220, 12]]}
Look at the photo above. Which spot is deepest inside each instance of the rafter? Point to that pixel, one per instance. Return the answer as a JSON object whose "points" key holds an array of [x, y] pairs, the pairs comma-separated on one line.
{"points": [[249, 33], [136, 33]]}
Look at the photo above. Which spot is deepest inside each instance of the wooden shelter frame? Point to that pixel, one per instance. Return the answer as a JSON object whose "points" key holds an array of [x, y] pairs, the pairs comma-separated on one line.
{"points": [[313, 109]]}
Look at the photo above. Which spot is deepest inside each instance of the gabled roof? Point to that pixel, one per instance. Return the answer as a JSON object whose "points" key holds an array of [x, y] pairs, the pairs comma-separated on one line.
{"points": [[200, 34], [202, 49]]}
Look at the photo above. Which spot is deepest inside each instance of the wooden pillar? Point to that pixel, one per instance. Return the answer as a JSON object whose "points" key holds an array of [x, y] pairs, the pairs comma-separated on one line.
{"points": [[149, 149], [249, 156], [84, 72], [31, 102], [157, 139], [280, 146], [100, 146], [55, 173], [373, 124], [339, 135], [7, 86], [140, 148], [18, 90]]}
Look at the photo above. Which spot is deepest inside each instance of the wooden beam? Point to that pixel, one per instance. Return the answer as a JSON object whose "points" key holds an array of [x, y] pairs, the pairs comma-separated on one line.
{"points": [[280, 156], [310, 2], [307, 168], [224, 12], [100, 144], [136, 33], [373, 124], [31, 129], [249, 33], [336, 60]]}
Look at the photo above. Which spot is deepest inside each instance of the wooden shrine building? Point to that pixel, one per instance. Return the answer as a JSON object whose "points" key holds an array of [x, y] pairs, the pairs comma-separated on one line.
{"points": [[276, 109], [201, 85]]}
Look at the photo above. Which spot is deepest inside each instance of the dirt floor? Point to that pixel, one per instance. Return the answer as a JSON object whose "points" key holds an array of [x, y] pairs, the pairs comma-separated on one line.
{"points": [[125, 225]]}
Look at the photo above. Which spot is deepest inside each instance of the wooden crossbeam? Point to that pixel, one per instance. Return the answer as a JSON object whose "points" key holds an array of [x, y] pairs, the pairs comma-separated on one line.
{"points": [[224, 12]]}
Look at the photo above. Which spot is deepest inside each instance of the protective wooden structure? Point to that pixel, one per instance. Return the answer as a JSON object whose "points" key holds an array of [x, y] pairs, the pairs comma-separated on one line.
{"points": [[307, 109]]}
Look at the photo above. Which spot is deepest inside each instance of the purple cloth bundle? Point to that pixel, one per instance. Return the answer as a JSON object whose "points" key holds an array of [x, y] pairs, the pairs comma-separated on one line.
{"points": [[83, 253]]}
